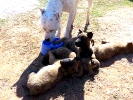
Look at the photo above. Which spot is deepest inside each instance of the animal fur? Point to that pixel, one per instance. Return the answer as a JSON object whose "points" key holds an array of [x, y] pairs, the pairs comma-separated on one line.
{"points": [[63, 52], [49, 75], [110, 49], [70, 43], [88, 60], [82, 45], [59, 53], [104, 51], [87, 66], [51, 17]]}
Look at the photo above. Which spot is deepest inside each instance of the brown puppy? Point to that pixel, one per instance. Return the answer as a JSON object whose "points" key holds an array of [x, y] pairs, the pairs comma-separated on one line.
{"points": [[109, 49], [88, 62], [82, 46], [83, 40], [87, 66], [49, 75]]}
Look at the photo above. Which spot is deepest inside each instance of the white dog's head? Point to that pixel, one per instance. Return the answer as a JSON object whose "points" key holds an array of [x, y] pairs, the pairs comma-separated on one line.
{"points": [[50, 23]]}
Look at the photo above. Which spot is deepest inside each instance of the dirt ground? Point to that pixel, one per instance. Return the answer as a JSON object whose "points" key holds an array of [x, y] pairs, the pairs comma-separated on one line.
{"points": [[20, 45]]}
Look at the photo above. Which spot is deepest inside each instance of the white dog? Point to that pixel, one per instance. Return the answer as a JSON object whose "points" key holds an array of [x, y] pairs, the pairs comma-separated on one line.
{"points": [[51, 16]]}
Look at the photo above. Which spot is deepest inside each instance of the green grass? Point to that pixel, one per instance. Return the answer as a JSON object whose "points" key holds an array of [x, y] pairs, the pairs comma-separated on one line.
{"points": [[43, 2], [3, 22], [102, 6]]}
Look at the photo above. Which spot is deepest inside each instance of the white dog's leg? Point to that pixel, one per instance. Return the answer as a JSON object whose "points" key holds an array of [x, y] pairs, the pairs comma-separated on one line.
{"points": [[70, 23], [58, 33], [46, 36], [88, 12]]}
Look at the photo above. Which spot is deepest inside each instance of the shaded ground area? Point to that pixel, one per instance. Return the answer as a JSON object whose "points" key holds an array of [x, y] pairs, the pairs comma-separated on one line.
{"points": [[20, 46]]}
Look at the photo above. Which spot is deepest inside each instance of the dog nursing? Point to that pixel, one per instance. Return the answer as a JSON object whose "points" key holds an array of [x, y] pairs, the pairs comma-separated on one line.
{"points": [[51, 17]]}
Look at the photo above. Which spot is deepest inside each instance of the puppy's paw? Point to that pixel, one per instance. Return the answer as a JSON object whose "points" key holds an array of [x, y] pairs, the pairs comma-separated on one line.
{"points": [[105, 41], [95, 63]]}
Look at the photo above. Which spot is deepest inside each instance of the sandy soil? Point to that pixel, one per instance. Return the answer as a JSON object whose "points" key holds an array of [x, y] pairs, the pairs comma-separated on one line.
{"points": [[20, 46], [9, 8]]}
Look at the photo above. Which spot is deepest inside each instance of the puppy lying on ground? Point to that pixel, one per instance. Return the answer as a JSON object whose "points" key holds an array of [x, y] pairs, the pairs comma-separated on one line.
{"points": [[49, 75], [102, 52], [59, 53], [109, 49]]}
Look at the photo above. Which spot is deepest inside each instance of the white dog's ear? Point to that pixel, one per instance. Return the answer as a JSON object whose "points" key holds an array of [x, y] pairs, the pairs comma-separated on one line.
{"points": [[42, 10], [57, 16]]}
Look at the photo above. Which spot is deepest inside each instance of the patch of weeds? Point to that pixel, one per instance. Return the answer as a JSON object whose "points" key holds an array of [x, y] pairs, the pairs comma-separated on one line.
{"points": [[80, 18], [3, 22], [115, 96], [100, 7], [131, 0], [43, 3]]}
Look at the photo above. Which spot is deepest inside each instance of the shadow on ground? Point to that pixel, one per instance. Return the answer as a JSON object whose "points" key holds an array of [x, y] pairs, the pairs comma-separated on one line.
{"points": [[70, 88], [33, 67], [109, 62]]}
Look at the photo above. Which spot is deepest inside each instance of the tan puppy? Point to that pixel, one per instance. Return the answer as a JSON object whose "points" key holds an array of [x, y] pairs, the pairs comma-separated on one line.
{"points": [[109, 49], [49, 75], [88, 61], [87, 66]]}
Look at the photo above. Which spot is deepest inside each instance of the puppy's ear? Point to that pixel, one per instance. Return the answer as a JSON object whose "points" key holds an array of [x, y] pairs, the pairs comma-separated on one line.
{"points": [[57, 16], [130, 45], [66, 63], [42, 10], [79, 32], [92, 42], [90, 34]]}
